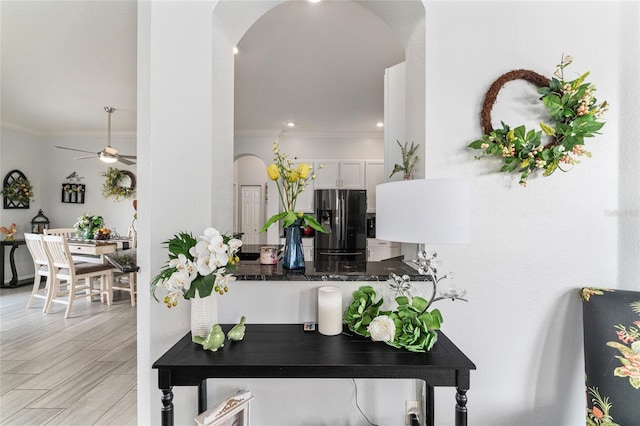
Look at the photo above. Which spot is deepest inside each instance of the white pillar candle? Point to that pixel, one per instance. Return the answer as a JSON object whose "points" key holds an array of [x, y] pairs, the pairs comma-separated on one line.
{"points": [[329, 311]]}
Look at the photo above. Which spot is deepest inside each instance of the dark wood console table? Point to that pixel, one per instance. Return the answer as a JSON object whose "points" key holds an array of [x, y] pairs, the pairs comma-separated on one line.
{"points": [[286, 351], [15, 282]]}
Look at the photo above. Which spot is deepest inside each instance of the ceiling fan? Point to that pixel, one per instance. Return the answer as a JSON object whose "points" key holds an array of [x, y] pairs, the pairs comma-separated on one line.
{"points": [[108, 155]]}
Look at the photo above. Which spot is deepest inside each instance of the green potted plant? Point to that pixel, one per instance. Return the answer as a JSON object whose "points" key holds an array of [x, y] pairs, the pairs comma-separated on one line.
{"points": [[409, 160], [87, 224]]}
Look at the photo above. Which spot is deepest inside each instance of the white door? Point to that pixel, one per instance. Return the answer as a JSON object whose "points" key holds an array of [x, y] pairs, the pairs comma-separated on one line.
{"points": [[251, 213]]}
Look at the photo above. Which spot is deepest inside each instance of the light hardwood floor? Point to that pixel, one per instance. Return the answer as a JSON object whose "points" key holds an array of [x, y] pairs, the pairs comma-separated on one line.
{"points": [[78, 371]]}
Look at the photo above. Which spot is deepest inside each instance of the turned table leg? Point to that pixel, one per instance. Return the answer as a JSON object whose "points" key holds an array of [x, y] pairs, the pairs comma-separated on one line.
{"points": [[461, 407], [202, 396], [167, 407]]}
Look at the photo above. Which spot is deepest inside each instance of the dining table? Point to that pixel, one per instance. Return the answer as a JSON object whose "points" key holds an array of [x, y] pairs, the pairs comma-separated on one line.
{"points": [[94, 251]]}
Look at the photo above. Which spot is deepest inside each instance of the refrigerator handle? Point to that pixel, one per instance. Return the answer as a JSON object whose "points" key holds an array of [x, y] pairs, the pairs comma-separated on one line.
{"points": [[343, 219]]}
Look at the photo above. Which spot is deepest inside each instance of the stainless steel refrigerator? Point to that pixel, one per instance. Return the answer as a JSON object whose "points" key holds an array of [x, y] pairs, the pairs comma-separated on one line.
{"points": [[343, 213]]}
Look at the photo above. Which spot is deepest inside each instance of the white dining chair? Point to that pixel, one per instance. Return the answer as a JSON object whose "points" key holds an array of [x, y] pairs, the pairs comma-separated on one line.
{"points": [[65, 232], [41, 262], [63, 269]]}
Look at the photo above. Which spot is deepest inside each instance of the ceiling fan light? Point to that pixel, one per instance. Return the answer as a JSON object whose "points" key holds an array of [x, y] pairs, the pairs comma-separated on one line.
{"points": [[107, 158], [110, 151]]}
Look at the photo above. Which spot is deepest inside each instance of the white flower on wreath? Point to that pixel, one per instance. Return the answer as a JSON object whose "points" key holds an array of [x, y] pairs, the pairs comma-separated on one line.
{"points": [[382, 329]]}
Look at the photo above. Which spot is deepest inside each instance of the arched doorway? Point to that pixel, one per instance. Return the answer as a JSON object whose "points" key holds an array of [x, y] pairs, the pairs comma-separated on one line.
{"points": [[231, 20]]}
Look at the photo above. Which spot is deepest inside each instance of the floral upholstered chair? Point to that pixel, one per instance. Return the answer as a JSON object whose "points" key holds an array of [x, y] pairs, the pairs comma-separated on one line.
{"points": [[611, 321]]}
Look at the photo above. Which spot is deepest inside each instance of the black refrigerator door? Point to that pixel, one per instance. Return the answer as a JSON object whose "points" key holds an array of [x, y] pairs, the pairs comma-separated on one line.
{"points": [[343, 214], [355, 223]]}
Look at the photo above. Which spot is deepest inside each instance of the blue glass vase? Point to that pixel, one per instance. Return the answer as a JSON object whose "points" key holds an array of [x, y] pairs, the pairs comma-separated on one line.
{"points": [[293, 253]]}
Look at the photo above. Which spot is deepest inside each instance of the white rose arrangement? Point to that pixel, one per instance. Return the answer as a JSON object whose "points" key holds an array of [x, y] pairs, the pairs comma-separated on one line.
{"points": [[382, 329]]}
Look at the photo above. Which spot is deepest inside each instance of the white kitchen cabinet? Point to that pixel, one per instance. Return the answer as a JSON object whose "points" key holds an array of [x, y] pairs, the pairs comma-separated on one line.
{"points": [[304, 201], [373, 175], [378, 250], [307, 248], [345, 174], [328, 177]]}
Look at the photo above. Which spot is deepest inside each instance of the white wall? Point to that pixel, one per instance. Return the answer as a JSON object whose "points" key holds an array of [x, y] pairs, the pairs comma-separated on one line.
{"points": [[59, 164], [21, 150], [46, 167], [530, 250]]}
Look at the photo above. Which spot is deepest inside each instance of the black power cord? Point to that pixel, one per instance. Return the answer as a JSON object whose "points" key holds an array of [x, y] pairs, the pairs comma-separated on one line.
{"points": [[415, 421]]}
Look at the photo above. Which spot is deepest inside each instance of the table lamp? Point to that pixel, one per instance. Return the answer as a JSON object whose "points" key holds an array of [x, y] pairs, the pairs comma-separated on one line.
{"points": [[425, 211]]}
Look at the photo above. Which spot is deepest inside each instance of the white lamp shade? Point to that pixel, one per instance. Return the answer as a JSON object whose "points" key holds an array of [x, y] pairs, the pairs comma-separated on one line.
{"points": [[424, 211]]}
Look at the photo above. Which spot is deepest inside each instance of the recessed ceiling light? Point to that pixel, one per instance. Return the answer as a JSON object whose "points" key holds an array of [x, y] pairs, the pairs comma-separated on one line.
{"points": [[314, 1], [291, 124], [235, 50], [380, 124]]}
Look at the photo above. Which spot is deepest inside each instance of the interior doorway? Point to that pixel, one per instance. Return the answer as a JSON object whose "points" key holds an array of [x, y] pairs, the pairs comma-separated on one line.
{"points": [[251, 208]]}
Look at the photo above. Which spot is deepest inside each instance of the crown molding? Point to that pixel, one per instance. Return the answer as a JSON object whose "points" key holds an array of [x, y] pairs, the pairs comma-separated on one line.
{"points": [[17, 128], [87, 134], [335, 134]]}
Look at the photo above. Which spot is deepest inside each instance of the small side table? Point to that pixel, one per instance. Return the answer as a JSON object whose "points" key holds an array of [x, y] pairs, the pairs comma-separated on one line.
{"points": [[15, 282]]}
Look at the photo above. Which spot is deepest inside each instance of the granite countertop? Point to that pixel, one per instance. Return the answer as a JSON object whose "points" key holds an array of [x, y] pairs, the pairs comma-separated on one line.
{"points": [[250, 270]]}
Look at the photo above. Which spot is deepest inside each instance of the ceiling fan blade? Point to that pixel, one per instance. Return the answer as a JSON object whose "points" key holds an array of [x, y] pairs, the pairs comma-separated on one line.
{"points": [[84, 158], [128, 156], [73, 149], [125, 161]]}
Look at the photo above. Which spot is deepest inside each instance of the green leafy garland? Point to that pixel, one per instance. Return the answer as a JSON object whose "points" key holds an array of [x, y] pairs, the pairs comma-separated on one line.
{"points": [[112, 184], [574, 111], [19, 190]]}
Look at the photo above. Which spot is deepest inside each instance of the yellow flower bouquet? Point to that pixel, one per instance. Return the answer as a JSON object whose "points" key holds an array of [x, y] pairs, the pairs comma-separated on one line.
{"points": [[290, 182]]}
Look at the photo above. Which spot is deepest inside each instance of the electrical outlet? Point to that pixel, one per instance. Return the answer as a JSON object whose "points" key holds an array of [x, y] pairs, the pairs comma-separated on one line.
{"points": [[411, 407]]}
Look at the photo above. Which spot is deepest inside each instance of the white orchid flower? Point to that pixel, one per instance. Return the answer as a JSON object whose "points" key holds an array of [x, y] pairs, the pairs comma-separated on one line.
{"points": [[181, 263], [214, 239], [205, 265], [179, 281], [224, 280], [234, 245]]}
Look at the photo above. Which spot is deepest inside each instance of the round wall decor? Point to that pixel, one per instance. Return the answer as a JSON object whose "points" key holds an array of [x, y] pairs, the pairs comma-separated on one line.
{"points": [[573, 115], [118, 183]]}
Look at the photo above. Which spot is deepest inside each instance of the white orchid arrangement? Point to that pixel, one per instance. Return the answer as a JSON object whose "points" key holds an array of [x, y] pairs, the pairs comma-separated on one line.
{"points": [[204, 264]]}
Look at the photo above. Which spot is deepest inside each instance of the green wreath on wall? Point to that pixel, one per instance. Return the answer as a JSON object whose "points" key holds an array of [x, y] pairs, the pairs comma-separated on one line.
{"points": [[573, 113], [118, 183]]}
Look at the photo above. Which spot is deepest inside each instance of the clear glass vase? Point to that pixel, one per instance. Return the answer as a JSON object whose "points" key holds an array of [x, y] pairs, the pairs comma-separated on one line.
{"points": [[293, 253]]}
